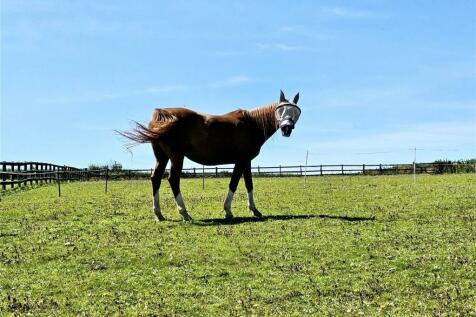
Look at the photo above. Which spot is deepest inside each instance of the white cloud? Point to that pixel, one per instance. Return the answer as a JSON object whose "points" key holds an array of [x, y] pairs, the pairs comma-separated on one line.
{"points": [[289, 28], [280, 46], [231, 81], [428, 136], [399, 97], [352, 13], [364, 97], [159, 89]]}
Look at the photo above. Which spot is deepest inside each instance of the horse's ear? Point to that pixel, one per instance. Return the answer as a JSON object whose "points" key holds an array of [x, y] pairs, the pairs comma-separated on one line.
{"points": [[296, 98], [281, 96]]}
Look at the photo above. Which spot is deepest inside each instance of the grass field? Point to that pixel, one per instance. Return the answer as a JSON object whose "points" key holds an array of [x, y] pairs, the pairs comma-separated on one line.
{"points": [[340, 246]]}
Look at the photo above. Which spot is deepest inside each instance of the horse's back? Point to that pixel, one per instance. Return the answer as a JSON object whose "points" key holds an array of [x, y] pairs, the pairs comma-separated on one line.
{"points": [[223, 139], [209, 139], [231, 118]]}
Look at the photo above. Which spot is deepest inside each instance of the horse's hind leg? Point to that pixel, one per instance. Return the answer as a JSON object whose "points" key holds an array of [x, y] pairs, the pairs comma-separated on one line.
{"points": [[156, 178], [174, 180], [249, 189]]}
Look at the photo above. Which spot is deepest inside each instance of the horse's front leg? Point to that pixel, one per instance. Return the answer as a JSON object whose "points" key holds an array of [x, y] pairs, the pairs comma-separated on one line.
{"points": [[174, 180], [249, 189], [235, 179]]}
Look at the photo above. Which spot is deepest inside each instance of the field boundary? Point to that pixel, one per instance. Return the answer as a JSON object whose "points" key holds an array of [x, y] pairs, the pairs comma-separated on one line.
{"points": [[18, 174]]}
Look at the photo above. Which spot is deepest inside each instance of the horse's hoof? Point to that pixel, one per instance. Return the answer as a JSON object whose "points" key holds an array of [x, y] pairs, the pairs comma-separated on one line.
{"points": [[160, 218], [186, 217], [256, 213], [228, 215]]}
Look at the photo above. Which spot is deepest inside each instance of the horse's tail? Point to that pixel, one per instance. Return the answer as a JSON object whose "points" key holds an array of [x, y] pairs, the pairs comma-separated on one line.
{"points": [[159, 126]]}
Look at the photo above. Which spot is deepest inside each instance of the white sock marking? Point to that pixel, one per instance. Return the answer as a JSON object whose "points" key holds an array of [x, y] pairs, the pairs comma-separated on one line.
{"points": [[156, 203], [228, 200], [180, 203], [251, 201]]}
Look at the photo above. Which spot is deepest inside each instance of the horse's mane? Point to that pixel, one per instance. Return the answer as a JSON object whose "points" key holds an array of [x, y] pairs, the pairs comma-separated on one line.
{"points": [[265, 118], [161, 123]]}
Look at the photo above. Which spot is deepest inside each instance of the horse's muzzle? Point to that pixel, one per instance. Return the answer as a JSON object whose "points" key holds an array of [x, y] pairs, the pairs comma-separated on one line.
{"points": [[287, 127]]}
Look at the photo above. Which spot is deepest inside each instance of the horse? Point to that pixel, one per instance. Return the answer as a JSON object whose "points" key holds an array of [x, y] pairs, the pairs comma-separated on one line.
{"points": [[233, 138]]}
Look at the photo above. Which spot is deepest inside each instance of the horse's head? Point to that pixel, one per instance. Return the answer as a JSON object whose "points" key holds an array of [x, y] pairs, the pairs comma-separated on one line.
{"points": [[287, 114]]}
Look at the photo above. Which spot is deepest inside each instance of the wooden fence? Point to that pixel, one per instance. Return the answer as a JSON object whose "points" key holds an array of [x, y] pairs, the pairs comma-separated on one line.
{"points": [[23, 173], [17, 174], [310, 170]]}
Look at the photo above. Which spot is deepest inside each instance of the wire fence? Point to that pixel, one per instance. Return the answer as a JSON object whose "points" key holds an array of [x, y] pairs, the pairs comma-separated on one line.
{"points": [[19, 174]]}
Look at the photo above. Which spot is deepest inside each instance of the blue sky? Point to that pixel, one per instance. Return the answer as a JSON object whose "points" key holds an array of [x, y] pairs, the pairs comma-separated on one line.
{"points": [[376, 77]]}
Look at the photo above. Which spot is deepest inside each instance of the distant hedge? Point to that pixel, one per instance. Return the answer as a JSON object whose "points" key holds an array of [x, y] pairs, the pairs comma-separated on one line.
{"points": [[460, 166]]}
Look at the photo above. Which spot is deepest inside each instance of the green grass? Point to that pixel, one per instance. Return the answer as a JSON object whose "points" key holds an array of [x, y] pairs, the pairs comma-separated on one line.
{"points": [[340, 246]]}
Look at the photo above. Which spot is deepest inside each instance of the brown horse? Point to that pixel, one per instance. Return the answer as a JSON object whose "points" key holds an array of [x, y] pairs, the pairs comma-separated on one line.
{"points": [[232, 138]]}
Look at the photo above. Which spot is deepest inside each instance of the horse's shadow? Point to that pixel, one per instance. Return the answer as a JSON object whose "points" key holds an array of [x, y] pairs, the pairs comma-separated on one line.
{"points": [[239, 220]]}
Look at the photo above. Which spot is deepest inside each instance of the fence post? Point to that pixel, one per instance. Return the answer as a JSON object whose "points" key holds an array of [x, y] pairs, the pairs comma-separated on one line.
{"points": [[59, 183], [300, 170], [13, 176], [320, 168], [30, 171], [22, 177], [203, 177], [4, 176], [259, 172], [342, 169], [36, 173], [363, 169], [25, 168], [216, 171], [194, 173], [19, 177], [107, 176], [380, 169], [280, 171]]}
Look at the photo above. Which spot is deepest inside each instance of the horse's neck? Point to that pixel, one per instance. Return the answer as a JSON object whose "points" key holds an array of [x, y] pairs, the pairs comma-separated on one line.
{"points": [[265, 119]]}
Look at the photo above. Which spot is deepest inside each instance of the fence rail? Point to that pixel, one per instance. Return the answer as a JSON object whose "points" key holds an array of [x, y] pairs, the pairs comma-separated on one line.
{"points": [[23, 173]]}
